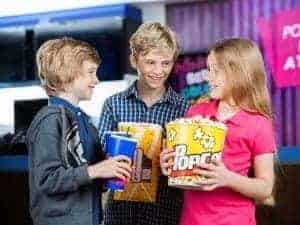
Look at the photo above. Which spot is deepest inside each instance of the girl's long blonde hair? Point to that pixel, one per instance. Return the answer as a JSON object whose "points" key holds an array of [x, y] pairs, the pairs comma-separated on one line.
{"points": [[245, 74]]}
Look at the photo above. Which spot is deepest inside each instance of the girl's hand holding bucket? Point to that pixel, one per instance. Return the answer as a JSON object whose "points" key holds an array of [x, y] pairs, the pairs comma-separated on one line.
{"points": [[166, 161]]}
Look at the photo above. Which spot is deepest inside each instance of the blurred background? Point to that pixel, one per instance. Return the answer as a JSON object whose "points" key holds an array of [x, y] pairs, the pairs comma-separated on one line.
{"points": [[24, 25]]}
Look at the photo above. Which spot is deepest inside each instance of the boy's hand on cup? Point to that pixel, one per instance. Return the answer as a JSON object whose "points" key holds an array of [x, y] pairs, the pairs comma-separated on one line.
{"points": [[114, 167], [166, 160]]}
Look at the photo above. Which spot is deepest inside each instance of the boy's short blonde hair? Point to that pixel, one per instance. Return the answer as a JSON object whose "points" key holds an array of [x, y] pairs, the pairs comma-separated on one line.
{"points": [[59, 62], [153, 36]]}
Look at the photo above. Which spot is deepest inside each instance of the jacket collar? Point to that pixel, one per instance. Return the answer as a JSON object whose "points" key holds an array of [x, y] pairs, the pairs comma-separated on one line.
{"points": [[55, 100]]}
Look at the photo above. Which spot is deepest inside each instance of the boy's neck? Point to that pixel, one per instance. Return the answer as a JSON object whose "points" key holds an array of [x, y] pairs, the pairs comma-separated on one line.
{"points": [[150, 95], [70, 98]]}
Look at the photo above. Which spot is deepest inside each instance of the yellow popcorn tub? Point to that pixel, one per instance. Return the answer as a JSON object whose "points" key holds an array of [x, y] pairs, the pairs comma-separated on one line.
{"points": [[196, 140], [144, 180]]}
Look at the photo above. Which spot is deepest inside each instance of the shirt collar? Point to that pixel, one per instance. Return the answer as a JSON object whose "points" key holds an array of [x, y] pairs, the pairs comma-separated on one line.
{"points": [[235, 119], [169, 96], [132, 91]]}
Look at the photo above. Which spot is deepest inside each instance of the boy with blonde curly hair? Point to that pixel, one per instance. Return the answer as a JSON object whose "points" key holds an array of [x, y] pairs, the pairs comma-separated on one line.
{"points": [[150, 99]]}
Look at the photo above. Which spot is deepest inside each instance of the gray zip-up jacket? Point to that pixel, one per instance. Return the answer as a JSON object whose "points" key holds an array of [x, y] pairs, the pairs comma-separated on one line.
{"points": [[60, 188]]}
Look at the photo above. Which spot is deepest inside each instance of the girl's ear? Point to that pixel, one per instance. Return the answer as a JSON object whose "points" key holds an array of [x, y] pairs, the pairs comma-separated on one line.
{"points": [[133, 60]]}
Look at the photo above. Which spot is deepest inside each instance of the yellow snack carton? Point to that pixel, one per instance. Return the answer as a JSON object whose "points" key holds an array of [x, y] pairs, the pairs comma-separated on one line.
{"points": [[146, 171], [196, 140]]}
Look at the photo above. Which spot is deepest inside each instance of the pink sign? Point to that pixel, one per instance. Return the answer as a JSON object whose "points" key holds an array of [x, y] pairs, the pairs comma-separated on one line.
{"points": [[281, 40], [267, 36]]}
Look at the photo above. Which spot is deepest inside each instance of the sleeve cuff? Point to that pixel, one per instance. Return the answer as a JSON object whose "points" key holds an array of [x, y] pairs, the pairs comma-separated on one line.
{"points": [[82, 175]]}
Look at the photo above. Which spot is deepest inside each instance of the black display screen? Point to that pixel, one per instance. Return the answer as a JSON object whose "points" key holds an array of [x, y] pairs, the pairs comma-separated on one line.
{"points": [[25, 111]]}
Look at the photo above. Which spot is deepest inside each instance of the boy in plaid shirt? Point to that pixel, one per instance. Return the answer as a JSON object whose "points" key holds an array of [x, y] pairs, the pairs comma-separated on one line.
{"points": [[150, 99]]}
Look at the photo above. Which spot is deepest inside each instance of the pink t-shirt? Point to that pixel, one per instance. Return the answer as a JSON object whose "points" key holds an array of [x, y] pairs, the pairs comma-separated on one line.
{"points": [[248, 135]]}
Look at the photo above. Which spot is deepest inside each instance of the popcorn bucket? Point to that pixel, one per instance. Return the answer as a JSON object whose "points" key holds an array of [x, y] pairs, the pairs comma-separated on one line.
{"points": [[144, 181], [196, 140]]}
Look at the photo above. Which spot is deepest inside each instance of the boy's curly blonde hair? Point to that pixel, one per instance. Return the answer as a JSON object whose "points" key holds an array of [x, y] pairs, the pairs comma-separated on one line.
{"points": [[59, 62], [153, 36]]}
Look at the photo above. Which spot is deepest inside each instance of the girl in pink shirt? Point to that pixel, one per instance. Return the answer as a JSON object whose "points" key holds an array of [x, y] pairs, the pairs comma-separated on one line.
{"points": [[244, 174]]}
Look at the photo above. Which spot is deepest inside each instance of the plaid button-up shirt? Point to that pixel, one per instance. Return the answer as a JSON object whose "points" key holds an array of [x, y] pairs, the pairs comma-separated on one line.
{"points": [[128, 107]]}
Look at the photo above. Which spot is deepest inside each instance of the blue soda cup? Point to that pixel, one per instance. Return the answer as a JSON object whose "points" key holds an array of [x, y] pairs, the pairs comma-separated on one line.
{"points": [[119, 145], [108, 133]]}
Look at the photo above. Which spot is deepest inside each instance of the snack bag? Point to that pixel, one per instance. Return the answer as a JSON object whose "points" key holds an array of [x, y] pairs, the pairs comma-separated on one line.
{"points": [[194, 140], [144, 181]]}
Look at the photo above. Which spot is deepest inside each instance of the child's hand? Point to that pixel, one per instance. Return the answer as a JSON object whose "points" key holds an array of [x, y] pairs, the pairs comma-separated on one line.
{"points": [[166, 161], [115, 167], [216, 175]]}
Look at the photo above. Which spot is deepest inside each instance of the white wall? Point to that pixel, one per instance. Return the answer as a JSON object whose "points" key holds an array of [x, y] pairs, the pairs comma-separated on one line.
{"points": [[102, 92], [153, 12], [92, 108], [20, 7], [7, 97]]}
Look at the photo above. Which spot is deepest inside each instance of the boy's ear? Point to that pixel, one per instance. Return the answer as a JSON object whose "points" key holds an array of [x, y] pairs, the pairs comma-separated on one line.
{"points": [[133, 61]]}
